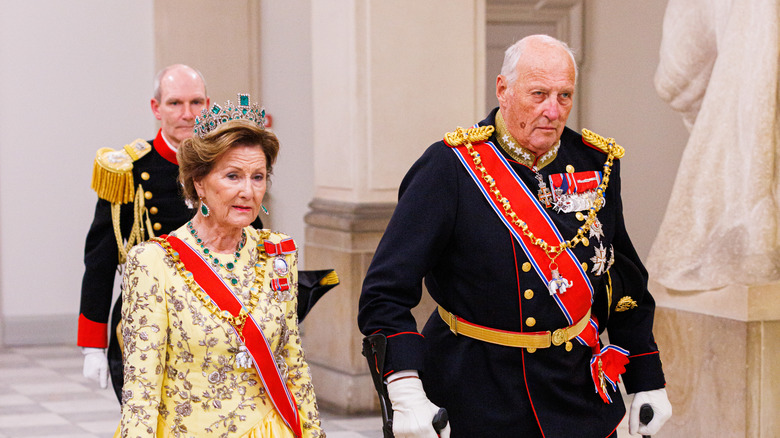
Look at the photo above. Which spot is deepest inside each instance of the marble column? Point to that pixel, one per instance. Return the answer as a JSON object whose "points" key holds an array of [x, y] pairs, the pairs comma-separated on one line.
{"points": [[721, 361], [389, 79]]}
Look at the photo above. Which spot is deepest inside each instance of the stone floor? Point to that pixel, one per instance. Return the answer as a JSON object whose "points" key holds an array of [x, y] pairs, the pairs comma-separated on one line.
{"points": [[44, 395]]}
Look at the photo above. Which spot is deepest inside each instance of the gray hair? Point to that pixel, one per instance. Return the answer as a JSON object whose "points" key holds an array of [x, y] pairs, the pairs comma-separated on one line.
{"points": [[158, 78], [515, 52]]}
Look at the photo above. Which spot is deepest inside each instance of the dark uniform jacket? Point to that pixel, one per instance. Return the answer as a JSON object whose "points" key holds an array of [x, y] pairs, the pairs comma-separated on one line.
{"points": [[444, 231]]}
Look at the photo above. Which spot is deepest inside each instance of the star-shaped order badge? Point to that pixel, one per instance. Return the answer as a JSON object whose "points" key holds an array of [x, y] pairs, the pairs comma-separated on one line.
{"points": [[599, 260], [596, 230]]}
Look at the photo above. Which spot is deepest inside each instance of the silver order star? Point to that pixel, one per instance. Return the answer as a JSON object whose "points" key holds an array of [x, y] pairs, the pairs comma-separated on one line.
{"points": [[596, 230], [599, 260]]}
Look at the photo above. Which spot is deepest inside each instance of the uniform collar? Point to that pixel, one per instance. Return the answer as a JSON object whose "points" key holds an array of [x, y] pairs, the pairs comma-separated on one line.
{"points": [[164, 148], [518, 153]]}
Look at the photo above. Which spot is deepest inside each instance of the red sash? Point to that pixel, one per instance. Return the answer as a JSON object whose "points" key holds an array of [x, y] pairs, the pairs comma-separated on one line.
{"points": [[253, 337]]}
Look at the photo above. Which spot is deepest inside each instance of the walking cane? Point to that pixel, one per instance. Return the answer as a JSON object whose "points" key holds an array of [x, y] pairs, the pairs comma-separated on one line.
{"points": [[645, 416]]}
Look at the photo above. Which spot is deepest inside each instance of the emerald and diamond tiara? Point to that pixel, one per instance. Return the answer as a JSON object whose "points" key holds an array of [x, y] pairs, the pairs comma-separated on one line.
{"points": [[209, 119]]}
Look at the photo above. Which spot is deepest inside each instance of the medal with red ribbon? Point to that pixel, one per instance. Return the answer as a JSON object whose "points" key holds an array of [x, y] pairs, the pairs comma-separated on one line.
{"points": [[278, 251]]}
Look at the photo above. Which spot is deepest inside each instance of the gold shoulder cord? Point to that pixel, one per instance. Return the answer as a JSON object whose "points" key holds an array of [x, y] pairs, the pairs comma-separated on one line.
{"points": [[137, 230]]}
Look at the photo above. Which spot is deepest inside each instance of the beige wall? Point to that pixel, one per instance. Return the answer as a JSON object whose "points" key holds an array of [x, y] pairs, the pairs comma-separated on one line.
{"points": [[91, 74], [74, 76]]}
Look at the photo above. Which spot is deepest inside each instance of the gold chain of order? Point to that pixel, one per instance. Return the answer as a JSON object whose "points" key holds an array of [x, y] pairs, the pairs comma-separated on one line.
{"points": [[239, 320], [552, 251]]}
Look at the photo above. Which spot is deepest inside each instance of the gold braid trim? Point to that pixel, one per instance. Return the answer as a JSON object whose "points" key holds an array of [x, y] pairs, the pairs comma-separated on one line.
{"points": [[330, 279], [607, 145], [472, 135]]}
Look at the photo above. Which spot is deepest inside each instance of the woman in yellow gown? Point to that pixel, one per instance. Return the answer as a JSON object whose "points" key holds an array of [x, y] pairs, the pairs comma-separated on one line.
{"points": [[189, 365]]}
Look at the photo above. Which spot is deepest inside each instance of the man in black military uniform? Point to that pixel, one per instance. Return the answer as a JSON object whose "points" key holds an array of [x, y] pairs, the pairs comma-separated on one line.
{"points": [[516, 227], [138, 194]]}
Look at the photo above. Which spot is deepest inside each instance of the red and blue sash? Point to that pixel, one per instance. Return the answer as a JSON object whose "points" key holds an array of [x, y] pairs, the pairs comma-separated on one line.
{"points": [[577, 300], [254, 339]]}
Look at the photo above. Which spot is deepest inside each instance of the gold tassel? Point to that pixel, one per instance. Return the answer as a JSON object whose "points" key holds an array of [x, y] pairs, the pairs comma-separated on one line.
{"points": [[112, 176], [331, 279]]}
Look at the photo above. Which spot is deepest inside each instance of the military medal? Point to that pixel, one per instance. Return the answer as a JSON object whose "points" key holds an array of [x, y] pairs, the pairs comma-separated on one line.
{"points": [[596, 230], [575, 191], [544, 195], [243, 360], [558, 284], [280, 266], [278, 251]]}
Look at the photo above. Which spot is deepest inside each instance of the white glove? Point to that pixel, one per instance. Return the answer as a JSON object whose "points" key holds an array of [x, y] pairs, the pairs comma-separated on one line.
{"points": [[662, 411], [412, 411], [95, 365]]}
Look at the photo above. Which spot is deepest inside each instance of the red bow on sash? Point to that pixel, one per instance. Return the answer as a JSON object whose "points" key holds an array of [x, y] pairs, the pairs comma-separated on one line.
{"points": [[286, 246], [250, 333]]}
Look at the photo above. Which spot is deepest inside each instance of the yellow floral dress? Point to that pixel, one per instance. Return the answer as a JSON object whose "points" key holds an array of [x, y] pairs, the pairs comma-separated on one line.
{"points": [[181, 378]]}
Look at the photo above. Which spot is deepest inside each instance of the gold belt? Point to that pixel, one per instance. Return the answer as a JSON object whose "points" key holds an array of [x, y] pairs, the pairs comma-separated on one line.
{"points": [[532, 340]]}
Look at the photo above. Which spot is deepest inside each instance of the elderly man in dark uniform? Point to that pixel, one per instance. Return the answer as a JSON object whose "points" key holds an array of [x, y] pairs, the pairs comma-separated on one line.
{"points": [[138, 195], [516, 227]]}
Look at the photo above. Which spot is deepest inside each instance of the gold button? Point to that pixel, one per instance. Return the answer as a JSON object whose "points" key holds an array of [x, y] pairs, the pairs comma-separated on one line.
{"points": [[569, 168], [530, 321], [528, 294], [153, 210], [580, 216], [526, 267], [148, 195], [584, 266], [145, 176], [585, 241], [530, 350], [157, 226], [569, 346]]}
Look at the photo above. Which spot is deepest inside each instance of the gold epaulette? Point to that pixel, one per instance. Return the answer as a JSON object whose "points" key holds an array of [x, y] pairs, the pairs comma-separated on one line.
{"points": [[472, 135], [607, 145], [330, 279], [112, 174]]}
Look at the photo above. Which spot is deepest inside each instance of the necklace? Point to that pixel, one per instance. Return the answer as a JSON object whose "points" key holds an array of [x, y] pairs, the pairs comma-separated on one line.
{"points": [[242, 356], [215, 261]]}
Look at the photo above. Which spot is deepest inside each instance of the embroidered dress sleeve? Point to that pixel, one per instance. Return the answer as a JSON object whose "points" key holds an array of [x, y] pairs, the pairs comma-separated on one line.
{"points": [[298, 373], [144, 331]]}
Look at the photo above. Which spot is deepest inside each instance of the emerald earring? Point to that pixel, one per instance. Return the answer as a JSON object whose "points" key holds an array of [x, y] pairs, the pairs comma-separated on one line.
{"points": [[204, 209]]}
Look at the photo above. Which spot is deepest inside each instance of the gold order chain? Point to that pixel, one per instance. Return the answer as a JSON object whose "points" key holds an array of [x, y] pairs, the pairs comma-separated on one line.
{"points": [[552, 251], [239, 320]]}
